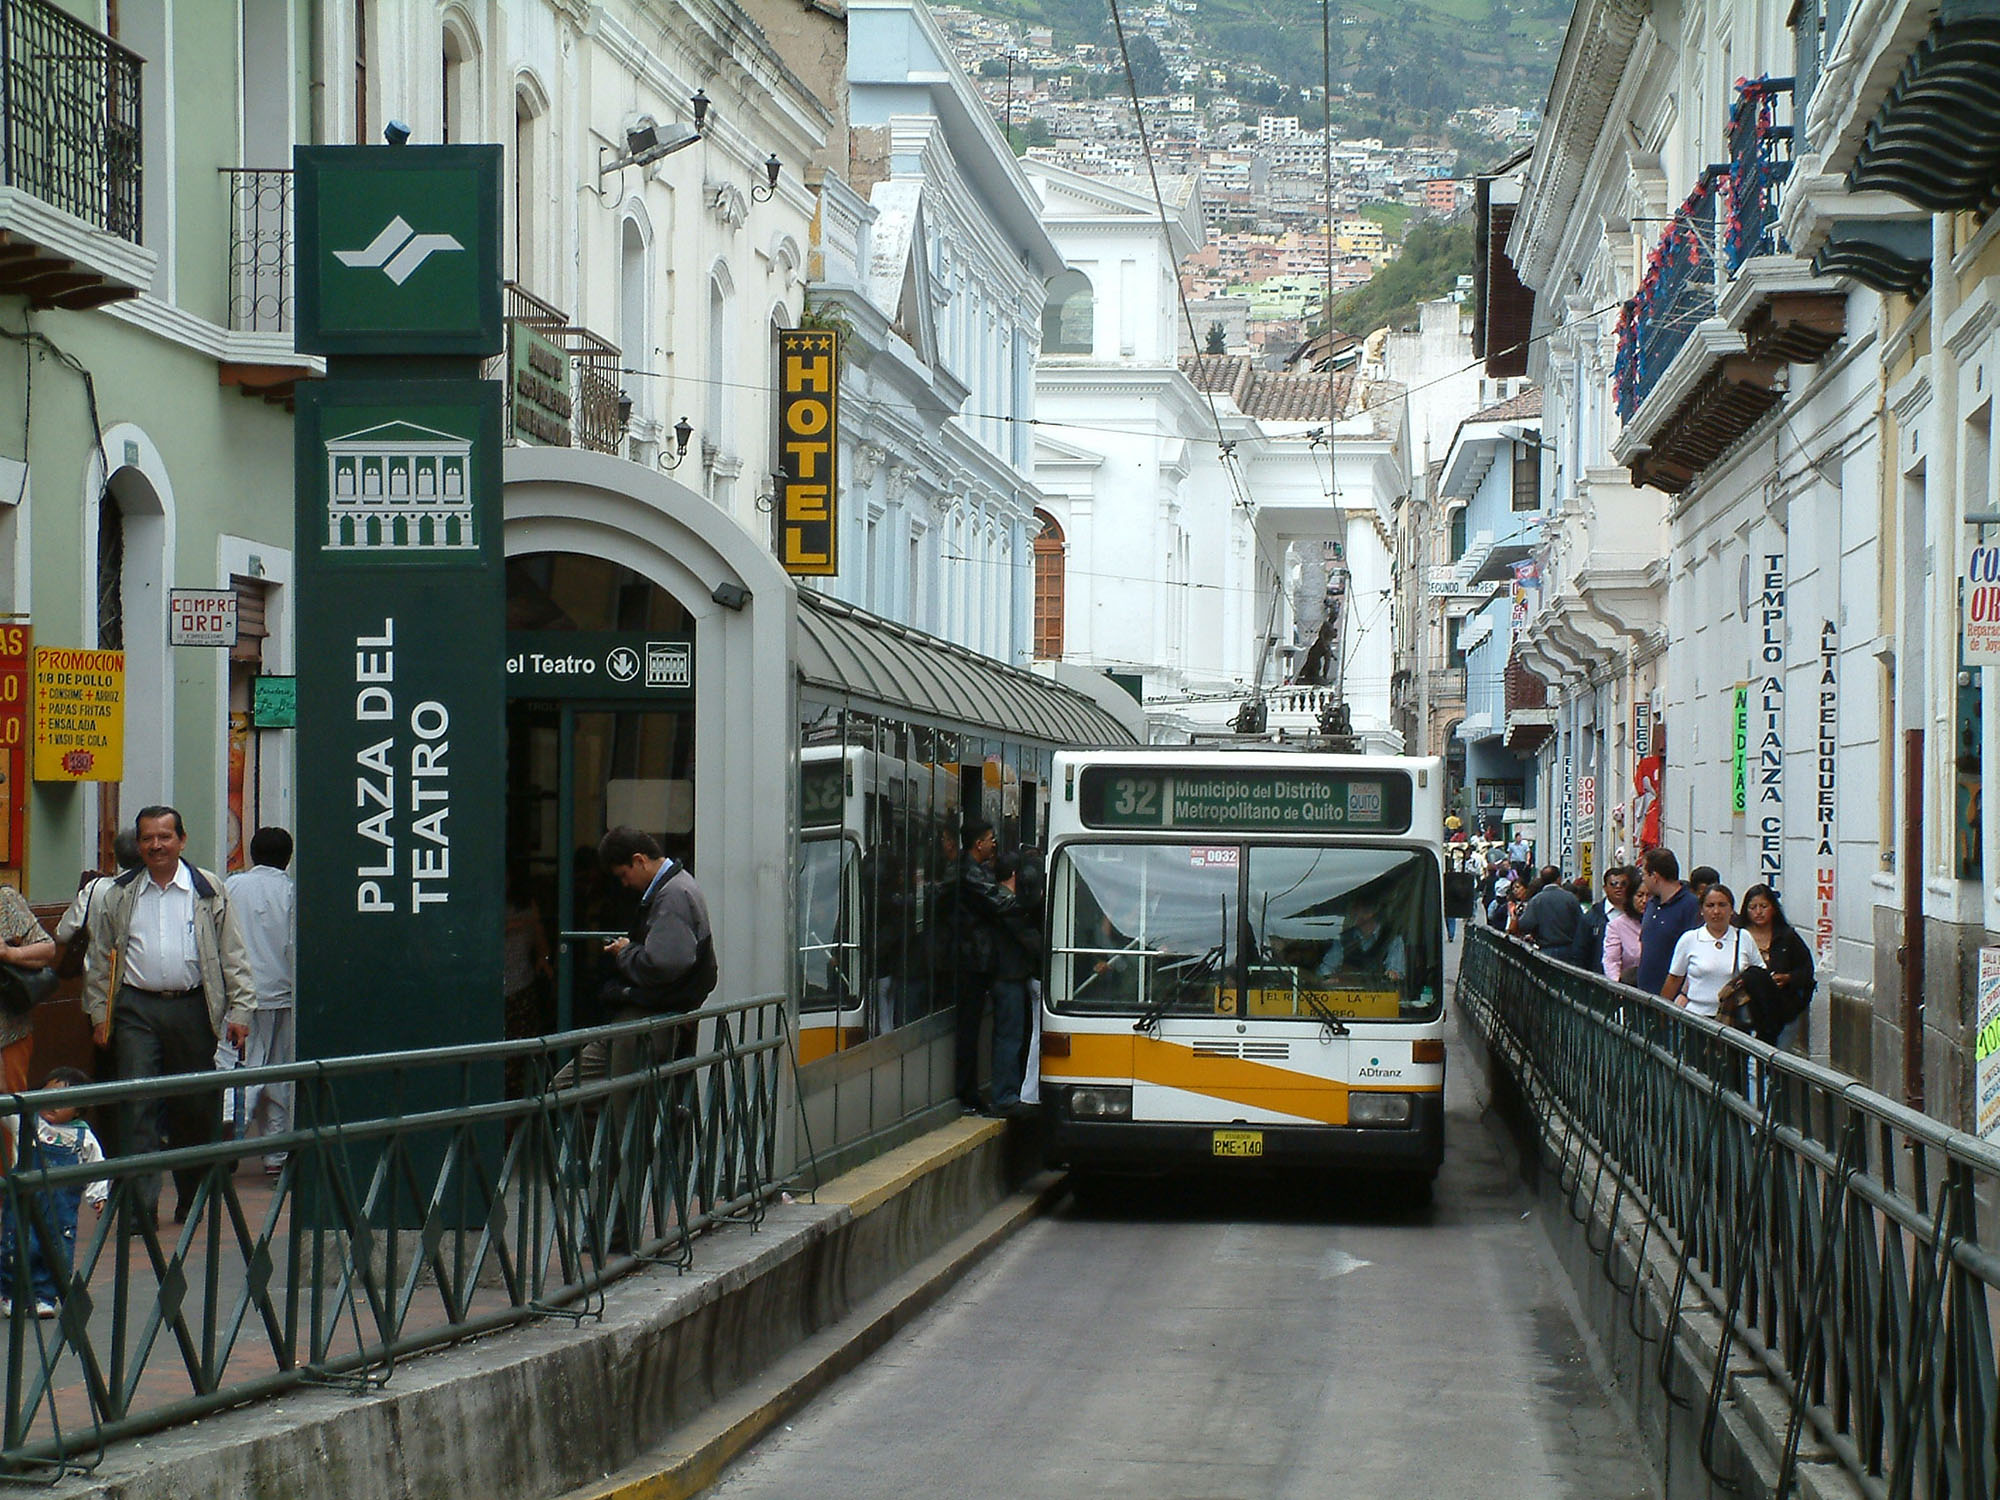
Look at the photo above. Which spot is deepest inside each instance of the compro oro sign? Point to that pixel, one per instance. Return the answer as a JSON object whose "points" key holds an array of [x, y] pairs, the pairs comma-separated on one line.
{"points": [[808, 487], [201, 617], [79, 715], [1980, 590]]}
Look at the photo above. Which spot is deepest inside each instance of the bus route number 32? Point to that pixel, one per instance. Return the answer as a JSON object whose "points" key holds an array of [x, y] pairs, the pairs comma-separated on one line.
{"points": [[1134, 798]]}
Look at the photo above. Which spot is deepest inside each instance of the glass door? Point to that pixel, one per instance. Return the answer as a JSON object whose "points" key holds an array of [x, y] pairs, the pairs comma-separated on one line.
{"points": [[574, 771]]}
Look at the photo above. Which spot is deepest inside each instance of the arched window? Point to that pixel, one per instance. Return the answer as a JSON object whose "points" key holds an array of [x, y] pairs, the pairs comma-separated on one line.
{"points": [[527, 184], [633, 340], [1067, 317], [1048, 588], [720, 358], [459, 113]]}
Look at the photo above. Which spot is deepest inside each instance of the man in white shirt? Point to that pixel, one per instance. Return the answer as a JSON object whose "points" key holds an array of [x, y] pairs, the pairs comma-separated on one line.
{"points": [[262, 897], [166, 977]]}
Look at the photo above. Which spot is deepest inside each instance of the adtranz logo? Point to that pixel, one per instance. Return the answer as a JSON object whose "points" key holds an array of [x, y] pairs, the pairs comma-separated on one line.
{"points": [[398, 250]]}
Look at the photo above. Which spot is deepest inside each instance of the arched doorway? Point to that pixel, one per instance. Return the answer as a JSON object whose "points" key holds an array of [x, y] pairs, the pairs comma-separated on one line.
{"points": [[600, 733]]}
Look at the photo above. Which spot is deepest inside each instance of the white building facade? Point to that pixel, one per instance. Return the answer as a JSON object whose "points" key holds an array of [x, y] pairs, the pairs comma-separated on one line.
{"points": [[1177, 488]]}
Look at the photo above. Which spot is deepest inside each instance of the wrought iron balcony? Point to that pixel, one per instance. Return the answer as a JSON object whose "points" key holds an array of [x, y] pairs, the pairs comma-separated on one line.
{"points": [[1760, 158], [69, 141], [1530, 721], [1676, 293], [562, 381], [260, 249]]}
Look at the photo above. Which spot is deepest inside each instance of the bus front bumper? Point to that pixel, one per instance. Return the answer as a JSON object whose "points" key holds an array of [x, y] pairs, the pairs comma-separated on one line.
{"points": [[1138, 1145]]}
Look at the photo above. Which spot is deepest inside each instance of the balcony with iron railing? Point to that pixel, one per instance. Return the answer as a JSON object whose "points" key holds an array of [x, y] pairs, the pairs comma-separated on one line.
{"points": [[1723, 306], [1530, 720], [70, 161], [561, 380], [259, 358]]}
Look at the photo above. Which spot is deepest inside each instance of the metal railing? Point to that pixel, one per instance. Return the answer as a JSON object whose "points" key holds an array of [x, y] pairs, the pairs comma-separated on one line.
{"points": [[577, 406], [416, 1206], [260, 249], [69, 121], [1846, 1242], [1676, 293], [1760, 159]]}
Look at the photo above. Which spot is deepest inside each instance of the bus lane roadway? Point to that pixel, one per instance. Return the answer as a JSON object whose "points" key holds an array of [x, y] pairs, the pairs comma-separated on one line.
{"points": [[1203, 1340]]}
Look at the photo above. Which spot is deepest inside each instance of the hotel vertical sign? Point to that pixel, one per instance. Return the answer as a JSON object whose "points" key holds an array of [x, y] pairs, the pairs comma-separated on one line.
{"points": [[808, 510], [401, 589]]}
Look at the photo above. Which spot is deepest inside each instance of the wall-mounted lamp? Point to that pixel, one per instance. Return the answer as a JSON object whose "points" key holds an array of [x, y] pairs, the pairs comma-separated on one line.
{"points": [[730, 595], [624, 410], [396, 133], [646, 143], [683, 430], [772, 167]]}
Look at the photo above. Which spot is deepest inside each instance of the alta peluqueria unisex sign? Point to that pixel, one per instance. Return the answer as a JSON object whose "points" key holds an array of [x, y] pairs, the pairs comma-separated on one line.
{"points": [[401, 703]]}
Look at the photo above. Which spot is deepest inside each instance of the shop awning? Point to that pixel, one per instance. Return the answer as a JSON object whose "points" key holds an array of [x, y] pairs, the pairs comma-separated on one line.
{"points": [[876, 665]]}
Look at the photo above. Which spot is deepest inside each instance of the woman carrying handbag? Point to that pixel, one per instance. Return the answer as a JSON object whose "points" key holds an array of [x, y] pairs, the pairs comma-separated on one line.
{"points": [[1707, 960]]}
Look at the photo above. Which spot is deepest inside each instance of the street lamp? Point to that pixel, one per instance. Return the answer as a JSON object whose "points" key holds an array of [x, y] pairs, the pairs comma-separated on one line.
{"points": [[683, 430], [646, 144]]}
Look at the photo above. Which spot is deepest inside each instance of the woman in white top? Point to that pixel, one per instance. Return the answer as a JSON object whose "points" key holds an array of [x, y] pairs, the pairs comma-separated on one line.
{"points": [[1710, 956]]}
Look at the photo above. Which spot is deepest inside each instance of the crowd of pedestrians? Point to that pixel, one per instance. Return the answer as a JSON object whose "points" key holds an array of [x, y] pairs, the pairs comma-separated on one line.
{"points": [[1687, 941]]}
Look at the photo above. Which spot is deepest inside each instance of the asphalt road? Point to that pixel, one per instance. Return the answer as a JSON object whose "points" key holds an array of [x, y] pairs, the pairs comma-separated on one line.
{"points": [[1204, 1340]]}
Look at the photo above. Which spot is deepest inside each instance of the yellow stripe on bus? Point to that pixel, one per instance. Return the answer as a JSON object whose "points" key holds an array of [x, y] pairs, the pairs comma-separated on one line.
{"points": [[1098, 1055]]}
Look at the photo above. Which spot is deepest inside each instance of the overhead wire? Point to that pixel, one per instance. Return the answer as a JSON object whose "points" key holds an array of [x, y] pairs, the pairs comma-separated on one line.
{"points": [[1386, 399], [1227, 449]]}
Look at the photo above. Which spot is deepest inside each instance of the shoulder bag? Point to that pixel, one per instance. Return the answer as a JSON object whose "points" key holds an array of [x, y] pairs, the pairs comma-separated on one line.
{"points": [[21, 990]]}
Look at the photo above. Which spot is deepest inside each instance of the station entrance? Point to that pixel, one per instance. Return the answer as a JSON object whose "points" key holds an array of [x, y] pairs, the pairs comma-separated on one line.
{"points": [[600, 732]]}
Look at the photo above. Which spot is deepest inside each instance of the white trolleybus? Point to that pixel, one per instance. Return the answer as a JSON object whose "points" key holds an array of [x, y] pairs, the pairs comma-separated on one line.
{"points": [[1246, 961]]}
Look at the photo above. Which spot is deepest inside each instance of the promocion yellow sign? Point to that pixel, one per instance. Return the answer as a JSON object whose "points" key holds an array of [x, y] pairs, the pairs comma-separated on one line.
{"points": [[79, 715]]}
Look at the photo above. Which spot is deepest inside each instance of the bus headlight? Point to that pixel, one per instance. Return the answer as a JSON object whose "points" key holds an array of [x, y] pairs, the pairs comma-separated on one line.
{"points": [[1100, 1102], [1378, 1109]]}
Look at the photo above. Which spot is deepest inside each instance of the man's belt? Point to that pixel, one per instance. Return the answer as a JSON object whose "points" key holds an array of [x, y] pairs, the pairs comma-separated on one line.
{"points": [[140, 989]]}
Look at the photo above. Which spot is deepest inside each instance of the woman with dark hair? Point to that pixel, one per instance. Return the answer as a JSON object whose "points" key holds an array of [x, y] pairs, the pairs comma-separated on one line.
{"points": [[1775, 1011], [1622, 916]]}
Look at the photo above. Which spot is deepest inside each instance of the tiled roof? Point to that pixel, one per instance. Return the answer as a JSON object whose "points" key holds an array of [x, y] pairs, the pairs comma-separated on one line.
{"points": [[1527, 403], [1269, 395]]}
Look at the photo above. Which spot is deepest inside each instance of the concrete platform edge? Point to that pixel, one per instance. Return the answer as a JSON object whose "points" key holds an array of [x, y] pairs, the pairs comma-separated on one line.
{"points": [[702, 1453], [550, 1407]]}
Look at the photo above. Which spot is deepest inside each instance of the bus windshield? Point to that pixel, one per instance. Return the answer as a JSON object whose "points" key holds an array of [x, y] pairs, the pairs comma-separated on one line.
{"points": [[1265, 931]]}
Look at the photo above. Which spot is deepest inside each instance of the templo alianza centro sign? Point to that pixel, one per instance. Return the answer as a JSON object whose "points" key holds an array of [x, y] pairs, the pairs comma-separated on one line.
{"points": [[399, 696]]}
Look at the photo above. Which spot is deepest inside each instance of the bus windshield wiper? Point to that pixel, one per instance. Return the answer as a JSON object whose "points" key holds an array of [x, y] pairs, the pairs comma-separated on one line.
{"points": [[1188, 978], [1330, 1023], [1208, 964]]}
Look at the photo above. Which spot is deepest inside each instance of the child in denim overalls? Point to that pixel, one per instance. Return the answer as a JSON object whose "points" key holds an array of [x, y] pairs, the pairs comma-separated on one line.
{"points": [[61, 1140]]}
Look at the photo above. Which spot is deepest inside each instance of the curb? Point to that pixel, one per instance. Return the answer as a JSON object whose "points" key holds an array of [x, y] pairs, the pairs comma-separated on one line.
{"points": [[714, 1440]]}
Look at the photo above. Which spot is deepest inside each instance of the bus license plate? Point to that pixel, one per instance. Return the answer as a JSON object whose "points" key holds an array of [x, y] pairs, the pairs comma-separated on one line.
{"points": [[1238, 1143]]}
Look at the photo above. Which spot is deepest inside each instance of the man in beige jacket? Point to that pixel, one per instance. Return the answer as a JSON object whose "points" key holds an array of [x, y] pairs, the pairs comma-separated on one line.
{"points": [[167, 977]]}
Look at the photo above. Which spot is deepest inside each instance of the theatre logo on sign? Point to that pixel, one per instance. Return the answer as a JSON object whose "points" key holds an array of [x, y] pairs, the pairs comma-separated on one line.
{"points": [[403, 488]]}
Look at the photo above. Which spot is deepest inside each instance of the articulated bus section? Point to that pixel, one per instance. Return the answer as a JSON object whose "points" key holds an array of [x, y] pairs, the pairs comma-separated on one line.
{"points": [[1246, 960]]}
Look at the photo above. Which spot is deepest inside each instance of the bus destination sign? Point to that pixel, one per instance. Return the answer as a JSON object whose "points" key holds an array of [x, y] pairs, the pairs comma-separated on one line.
{"points": [[1251, 801]]}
